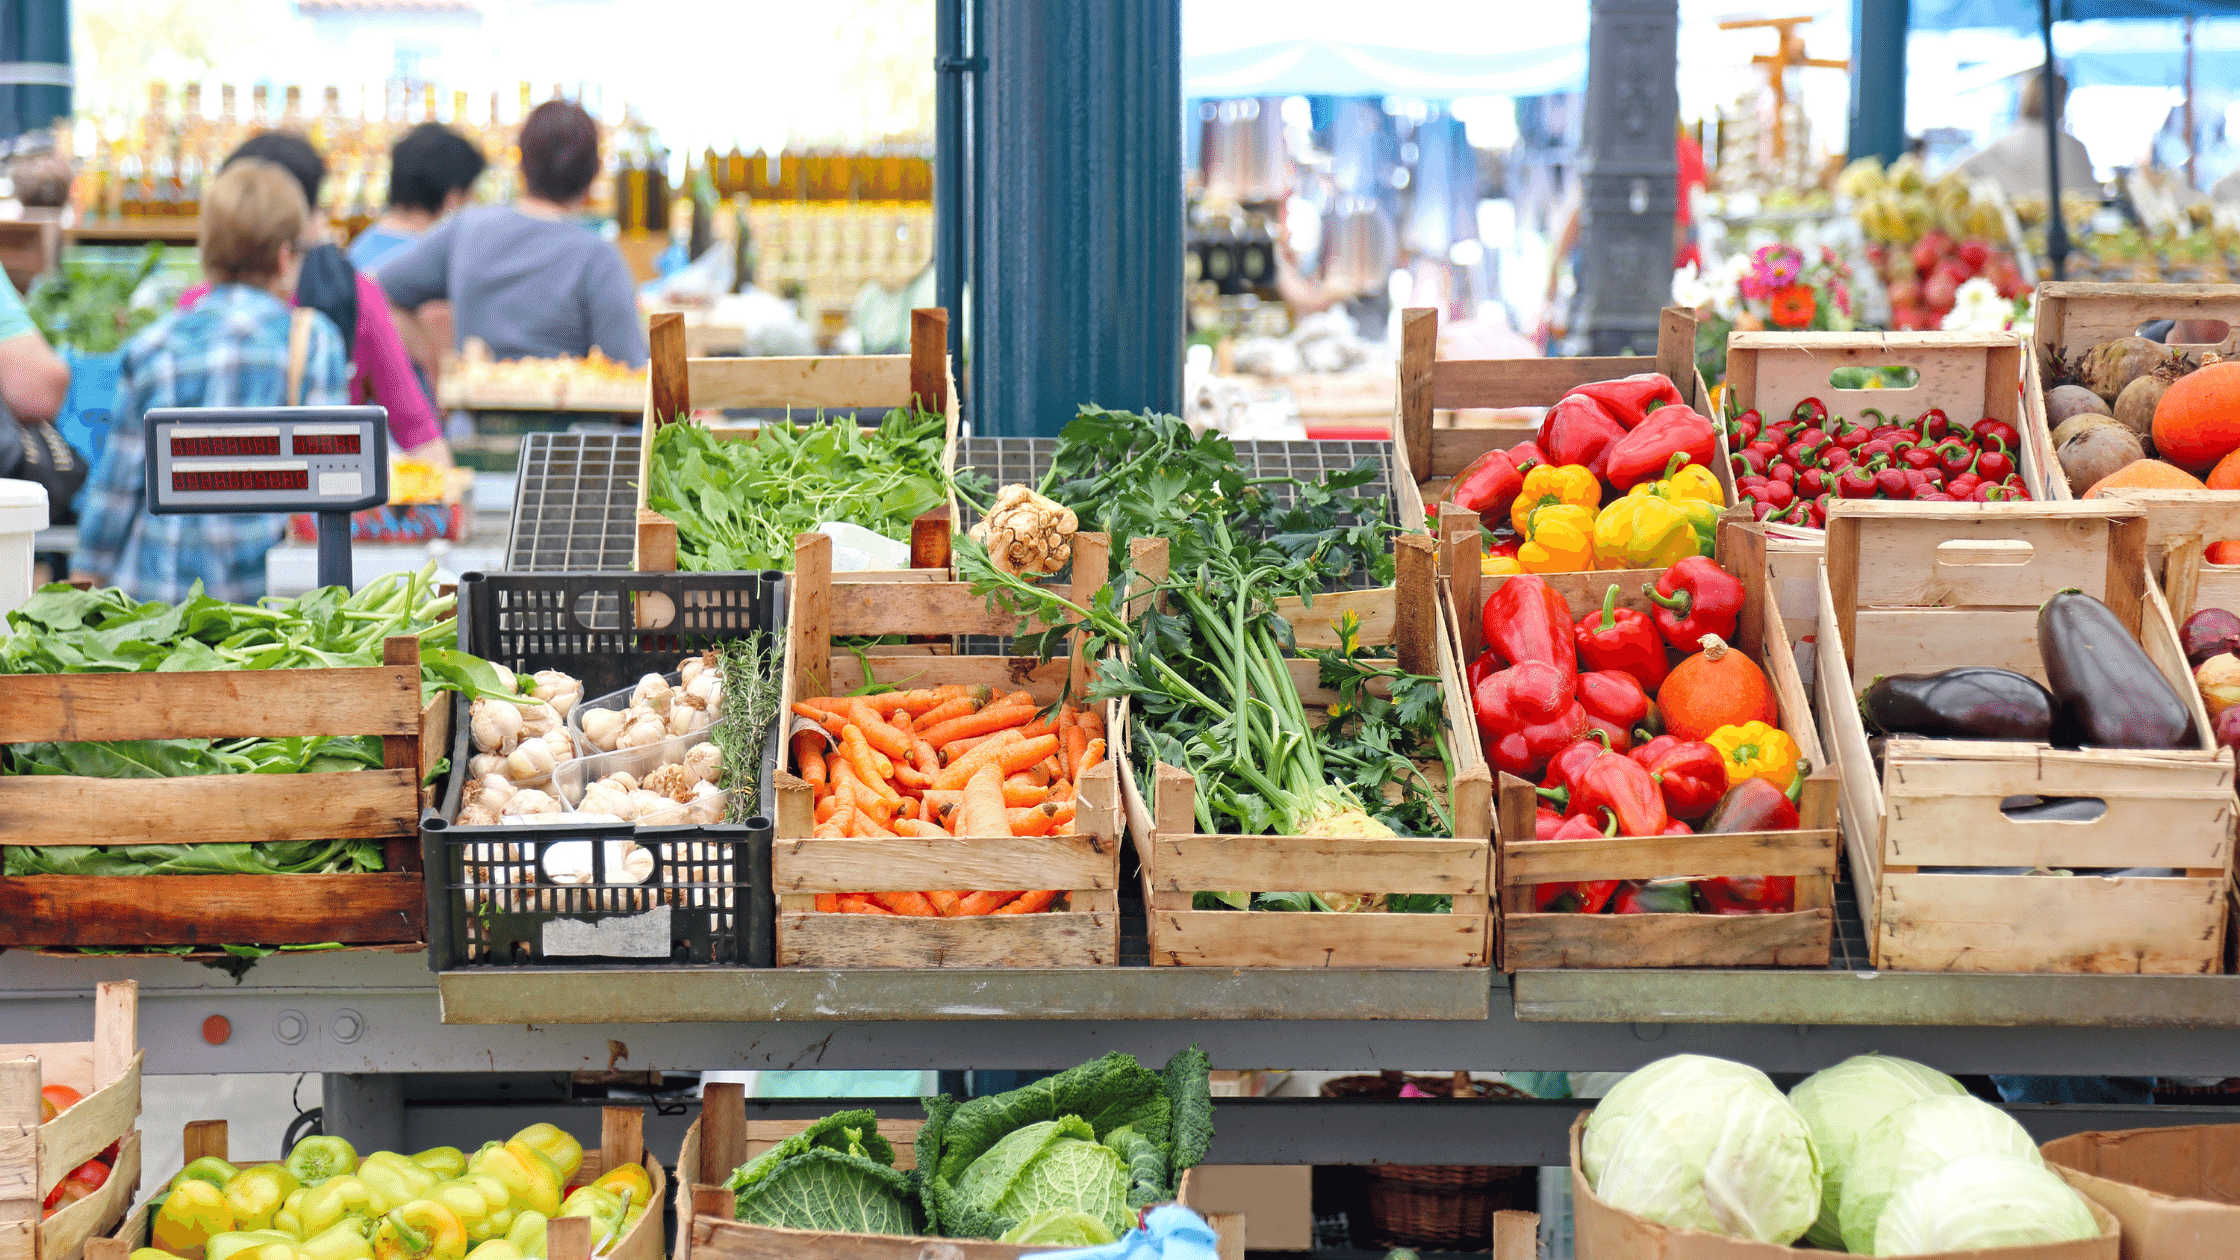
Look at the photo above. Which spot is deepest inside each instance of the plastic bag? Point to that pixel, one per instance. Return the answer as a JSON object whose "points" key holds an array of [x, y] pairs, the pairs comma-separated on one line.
{"points": [[1170, 1232]]}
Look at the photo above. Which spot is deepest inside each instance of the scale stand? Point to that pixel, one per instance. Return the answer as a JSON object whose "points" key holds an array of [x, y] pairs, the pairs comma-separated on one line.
{"points": [[330, 461]]}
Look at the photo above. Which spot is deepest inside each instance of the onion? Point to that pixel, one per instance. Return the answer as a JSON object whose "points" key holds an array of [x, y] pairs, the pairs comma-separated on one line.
{"points": [[2219, 680]]}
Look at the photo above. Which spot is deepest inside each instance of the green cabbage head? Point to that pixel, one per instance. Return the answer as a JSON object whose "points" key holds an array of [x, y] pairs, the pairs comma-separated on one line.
{"points": [[1052, 1166], [1919, 1140], [1840, 1104], [1695, 1142], [1059, 1227], [1978, 1202]]}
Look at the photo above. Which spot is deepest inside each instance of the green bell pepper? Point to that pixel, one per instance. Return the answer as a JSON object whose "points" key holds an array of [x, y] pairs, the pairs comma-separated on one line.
{"points": [[350, 1238], [393, 1179], [317, 1158], [209, 1168], [257, 1192]]}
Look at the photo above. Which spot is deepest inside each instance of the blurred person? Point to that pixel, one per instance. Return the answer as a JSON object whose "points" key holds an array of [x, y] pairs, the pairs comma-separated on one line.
{"points": [[34, 381], [325, 281], [239, 345], [2016, 161], [432, 170], [528, 279]]}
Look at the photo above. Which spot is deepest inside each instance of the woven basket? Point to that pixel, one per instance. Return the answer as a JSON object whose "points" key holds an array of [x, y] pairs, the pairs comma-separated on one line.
{"points": [[1435, 1207]]}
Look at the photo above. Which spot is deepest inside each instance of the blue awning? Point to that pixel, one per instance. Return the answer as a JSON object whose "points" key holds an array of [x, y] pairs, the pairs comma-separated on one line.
{"points": [[1949, 15]]}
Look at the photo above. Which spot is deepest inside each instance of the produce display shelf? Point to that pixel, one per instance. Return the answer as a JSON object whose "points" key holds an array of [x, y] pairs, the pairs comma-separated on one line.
{"points": [[575, 505]]}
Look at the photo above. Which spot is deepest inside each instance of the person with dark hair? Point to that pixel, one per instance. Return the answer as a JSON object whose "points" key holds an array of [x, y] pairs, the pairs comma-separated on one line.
{"points": [[431, 173], [528, 279], [326, 282]]}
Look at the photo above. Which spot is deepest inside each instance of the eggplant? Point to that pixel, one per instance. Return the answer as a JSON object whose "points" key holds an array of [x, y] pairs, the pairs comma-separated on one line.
{"points": [[1971, 702], [2107, 693]]}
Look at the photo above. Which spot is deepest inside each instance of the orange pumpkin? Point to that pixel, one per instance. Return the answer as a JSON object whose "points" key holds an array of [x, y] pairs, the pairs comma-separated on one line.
{"points": [[2226, 475], [2145, 474], [2197, 422], [2227, 552], [1716, 687]]}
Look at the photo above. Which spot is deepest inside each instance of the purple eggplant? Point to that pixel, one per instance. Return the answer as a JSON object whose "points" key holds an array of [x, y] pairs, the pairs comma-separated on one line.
{"points": [[2107, 693]]}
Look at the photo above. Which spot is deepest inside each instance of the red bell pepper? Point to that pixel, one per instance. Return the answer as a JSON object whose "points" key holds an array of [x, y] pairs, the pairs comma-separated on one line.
{"points": [[1577, 896], [1564, 767], [1643, 896], [1616, 704], [1760, 808], [1691, 774], [1694, 598], [1630, 398], [1645, 453], [1580, 430], [1526, 714], [1622, 639], [1615, 783], [1749, 894], [1527, 620], [1546, 823], [1488, 485]]}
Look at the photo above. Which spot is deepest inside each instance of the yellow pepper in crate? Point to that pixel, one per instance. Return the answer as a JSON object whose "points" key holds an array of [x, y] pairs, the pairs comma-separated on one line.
{"points": [[605, 1211], [630, 1177], [444, 1161], [420, 1230], [1684, 480], [527, 1235], [1643, 532], [350, 1238], [495, 1249], [1498, 566], [531, 1182], [466, 1201], [235, 1242], [1551, 484], [192, 1214], [256, 1193], [557, 1145], [393, 1179], [1755, 750], [1558, 539], [331, 1200]]}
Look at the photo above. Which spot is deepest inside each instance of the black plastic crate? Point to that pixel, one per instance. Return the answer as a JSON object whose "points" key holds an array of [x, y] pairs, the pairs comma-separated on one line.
{"points": [[708, 899]]}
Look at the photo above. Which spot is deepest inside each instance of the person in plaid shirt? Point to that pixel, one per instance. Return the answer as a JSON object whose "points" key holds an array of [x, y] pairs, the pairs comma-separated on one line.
{"points": [[231, 349]]}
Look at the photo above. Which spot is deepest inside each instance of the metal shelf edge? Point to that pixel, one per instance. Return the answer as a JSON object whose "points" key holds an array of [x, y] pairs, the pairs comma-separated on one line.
{"points": [[624, 995], [1919, 999]]}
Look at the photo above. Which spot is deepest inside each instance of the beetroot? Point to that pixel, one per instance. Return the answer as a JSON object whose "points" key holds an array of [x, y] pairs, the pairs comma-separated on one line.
{"points": [[2207, 633], [2226, 728]]}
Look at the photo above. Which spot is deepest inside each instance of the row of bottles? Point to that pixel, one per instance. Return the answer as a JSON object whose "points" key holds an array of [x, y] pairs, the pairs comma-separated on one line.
{"points": [[888, 173], [1231, 259]]}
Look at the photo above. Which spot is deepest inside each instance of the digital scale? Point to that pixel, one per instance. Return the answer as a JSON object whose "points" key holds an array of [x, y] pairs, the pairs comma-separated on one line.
{"points": [[330, 461]]}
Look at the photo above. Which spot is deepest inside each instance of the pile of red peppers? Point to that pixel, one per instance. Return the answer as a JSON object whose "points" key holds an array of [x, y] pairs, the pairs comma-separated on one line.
{"points": [[1789, 472], [1625, 431], [1571, 703]]}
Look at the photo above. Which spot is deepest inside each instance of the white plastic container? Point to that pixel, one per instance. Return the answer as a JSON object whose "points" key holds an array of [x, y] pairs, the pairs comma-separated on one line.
{"points": [[23, 513]]}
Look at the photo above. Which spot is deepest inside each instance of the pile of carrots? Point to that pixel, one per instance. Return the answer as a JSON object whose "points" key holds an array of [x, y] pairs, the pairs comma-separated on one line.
{"points": [[944, 761]]}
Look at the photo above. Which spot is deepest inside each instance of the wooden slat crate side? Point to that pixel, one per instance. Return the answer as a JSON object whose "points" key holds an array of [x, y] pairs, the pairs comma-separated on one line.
{"points": [[218, 704], [35, 1156], [1203, 863], [209, 809], [1228, 938], [964, 863], [2049, 924], [2073, 316], [1800, 938], [1744, 853], [900, 1134], [85, 1130], [1073, 938], [64, 1235], [379, 908]]}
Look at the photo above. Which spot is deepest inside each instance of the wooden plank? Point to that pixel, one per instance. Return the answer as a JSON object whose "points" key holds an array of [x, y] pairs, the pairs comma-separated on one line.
{"points": [[116, 1032], [2084, 315], [929, 358], [622, 1136], [880, 608], [383, 908], [219, 704], [1049, 939], [2050, 924], [810, 615], [1415, 598], [1540, 941], [209, 809], [1419, 350], [1043, 679], [568, 1238], [1969, 830], [1516, 1235], [1092, 572], [1236, 938], [901, 1134], [670, 380], [974, 863], [1315, 625], [1676, 352], [19, 1159], [732, 1240], [63, 1236], [203, 1138], [1655, 857], [807, 383], [656, 547], [1461, 383], [82, 1132], [722, 1130], [1209, 863]]}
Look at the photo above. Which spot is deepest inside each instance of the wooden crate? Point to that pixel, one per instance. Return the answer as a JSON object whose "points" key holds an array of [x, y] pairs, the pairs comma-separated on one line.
{"points": [[1178, 862], [1086, 864], [1970, 375], [1919, 587], [387, 907], [2072, 317], [35, 1157], [621, 1138], [810, 384], [723, 1138], [1430, 457], [1801, 938], [2180, 525]]}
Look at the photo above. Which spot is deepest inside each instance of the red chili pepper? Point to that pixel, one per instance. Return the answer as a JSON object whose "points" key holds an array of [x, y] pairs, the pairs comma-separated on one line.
{"points": [[1526, 713], [1615, 783], [1996, 463], [1691, 774], [1857, 481], [1922, 457], [1760, 509], [1836, 458], [1814, 482], [1621, 639], [1990, 492], [1852, 436], [1527, 620], [1816, 513], [1747, 462], [1646, 453], [1579, 430], [1955, 457], [1934, 424], [1779, 494], [1630, 399], [1892, 483], [1809, 410], [1488, 485], [1694, 598], [1783, 470], [1678, 828], [1767, 450], [1616, 704], [1988, 428], [1746, 427], [1805, 450]]}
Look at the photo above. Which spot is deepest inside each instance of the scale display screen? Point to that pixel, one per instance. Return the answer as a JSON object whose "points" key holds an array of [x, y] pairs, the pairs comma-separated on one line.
{"points": [[267, 459]]}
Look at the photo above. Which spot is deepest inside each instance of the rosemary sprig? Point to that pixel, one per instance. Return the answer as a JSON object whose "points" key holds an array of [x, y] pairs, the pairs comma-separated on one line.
{"points": [[752, 695]]}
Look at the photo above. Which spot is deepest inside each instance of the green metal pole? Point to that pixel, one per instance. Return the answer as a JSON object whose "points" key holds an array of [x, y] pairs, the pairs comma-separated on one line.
{"points": [[1878, 78]]}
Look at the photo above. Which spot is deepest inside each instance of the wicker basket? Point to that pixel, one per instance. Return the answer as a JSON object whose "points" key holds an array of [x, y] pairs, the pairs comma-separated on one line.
{"points": [[1435, 1207]]}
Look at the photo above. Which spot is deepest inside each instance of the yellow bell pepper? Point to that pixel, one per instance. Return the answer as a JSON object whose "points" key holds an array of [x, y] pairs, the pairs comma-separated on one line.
{"points": [[495, 1249], [289, 1219], [394, 1179], [1551, 484], [420, 1230], [557, 1145], [326, 1204], [192, 1214], [1499, 566], [350, 1238], [531, 1182], [209, 1168], [630, 1177], [1755, 750], [605, 1211], [444, 1161], [257, 1192], [269, 1249], [237, 1241], [527, 1234], [499, 1218], [1683, 480], [1642, 532], [1558, 539]]}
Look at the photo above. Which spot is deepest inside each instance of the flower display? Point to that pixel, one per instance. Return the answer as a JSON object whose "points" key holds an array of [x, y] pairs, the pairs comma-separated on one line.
{"points": [[1774, 286]]}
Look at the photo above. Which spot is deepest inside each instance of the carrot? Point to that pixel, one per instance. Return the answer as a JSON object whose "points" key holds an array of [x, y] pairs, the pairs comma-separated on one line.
{"points": [[827, 903], [1076, 748], [1062, 811], [1047, 768], [924, 759], [808, 757], [987, 721], [982, 812], [1091, 755], [871, 825], [910, 904], [1092, 721], [1009, 757], [1019, 793], [842, 822], [920, 827], [956, 748], [926, 699], [870, 765], [877, 730], [1069, 718], [936, 798], [960, 771], [857, 903], [946, 902], [1027, 754], [1029, 902], [827, 806], [828, 831], [962, 706], [984, 902], [1031, 822]]}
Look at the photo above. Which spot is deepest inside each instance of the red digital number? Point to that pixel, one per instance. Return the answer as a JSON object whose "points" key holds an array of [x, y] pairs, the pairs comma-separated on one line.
{"points": [[324, 443], [220, 447], [237, 479]]}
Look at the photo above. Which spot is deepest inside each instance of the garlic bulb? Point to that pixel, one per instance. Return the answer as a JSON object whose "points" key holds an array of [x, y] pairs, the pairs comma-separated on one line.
{"points": [[476, 816], [493, 791], [531, 761], [707, 801], [483, 764], [605, 798], [569, 862], [603, 727], [496, 725], [705, 761], [623, 779], [562, 744], [652, 692], [539, 719], [684, 719], [558, 690], [507, 679], [690, 668], [531, 801], [672, 781], [705, 688], [646, 728]]}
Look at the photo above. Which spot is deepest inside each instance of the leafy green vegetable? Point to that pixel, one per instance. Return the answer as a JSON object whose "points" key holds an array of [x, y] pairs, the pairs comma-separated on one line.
{"points": [[738, 505], [272, 857], [87, 305], [838, 1174], [1059, 1228], [988, 1164]]}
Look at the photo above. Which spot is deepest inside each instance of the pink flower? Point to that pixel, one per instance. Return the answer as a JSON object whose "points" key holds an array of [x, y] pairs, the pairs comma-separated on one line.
{"points": [[1754, 285], [1781, 264], [1843, 297]]}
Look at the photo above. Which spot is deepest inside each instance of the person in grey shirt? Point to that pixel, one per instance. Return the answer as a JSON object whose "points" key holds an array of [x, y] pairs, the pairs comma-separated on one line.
{"points": [[528, 279]]}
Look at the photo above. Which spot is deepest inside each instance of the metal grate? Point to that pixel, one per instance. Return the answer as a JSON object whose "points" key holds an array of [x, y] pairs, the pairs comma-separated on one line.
{"points": [[1004, 460], [575, 504], [1849, 949]]}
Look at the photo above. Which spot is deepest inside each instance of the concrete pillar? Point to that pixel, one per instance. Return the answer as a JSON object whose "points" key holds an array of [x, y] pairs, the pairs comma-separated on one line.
{"points": [[1630, 169]]}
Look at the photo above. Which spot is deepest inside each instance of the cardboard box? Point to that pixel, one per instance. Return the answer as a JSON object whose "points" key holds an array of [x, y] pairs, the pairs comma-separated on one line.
{"points": [[1603, 1232], [1277, 1202], [2176, 1190]]}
